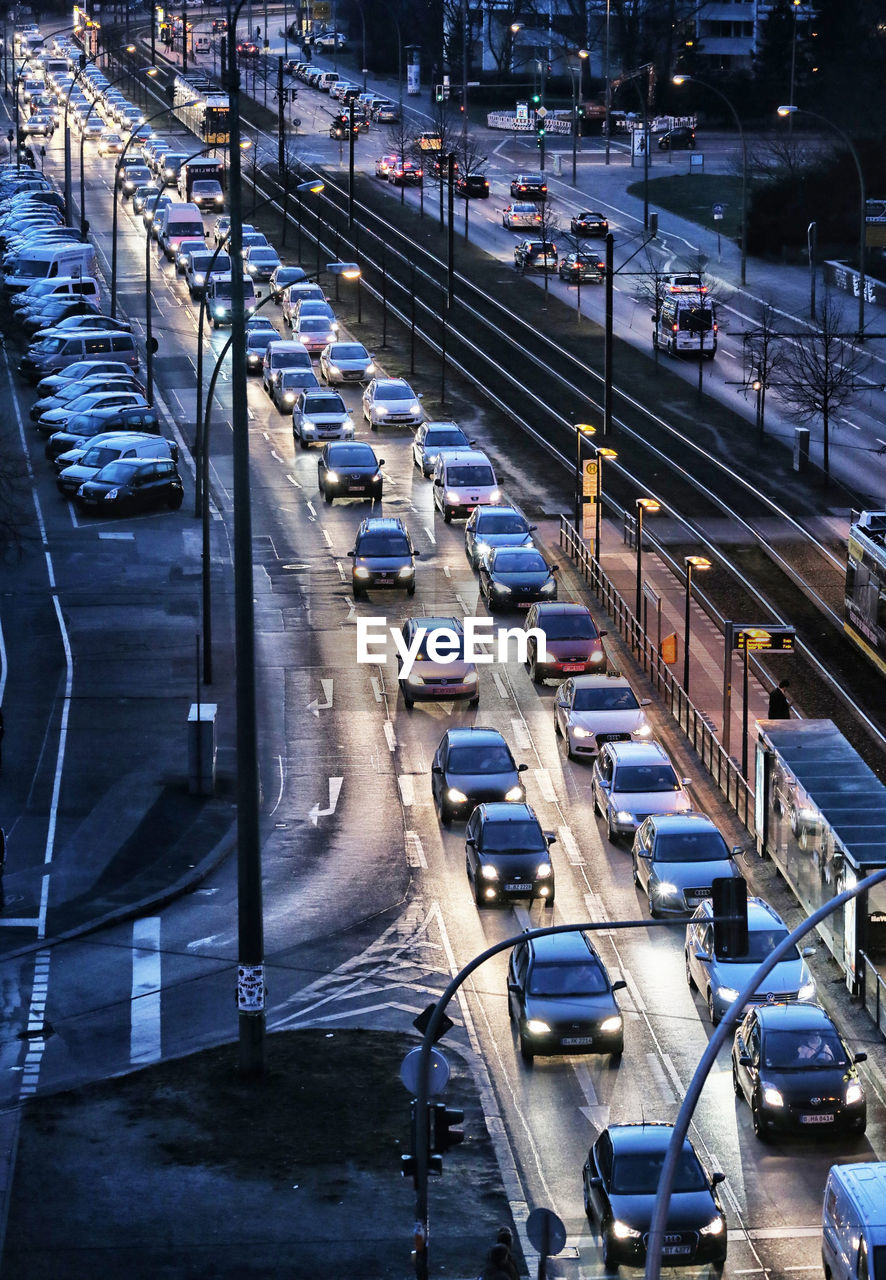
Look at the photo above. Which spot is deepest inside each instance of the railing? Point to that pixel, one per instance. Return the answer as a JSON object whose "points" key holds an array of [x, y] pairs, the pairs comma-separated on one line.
{"points": [[695, 724], [874, 989], [522, 124]]}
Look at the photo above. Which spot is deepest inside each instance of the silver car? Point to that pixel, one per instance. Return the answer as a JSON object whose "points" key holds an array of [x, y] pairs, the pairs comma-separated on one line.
{"points": [[432, 439], [632, 780], [391, 400], [316, 332], [346, 362], [593, 709], [318, 416]]}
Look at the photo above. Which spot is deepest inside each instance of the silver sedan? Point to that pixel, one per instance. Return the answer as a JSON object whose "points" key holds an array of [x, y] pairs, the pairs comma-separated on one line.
{"points": [[346, 362]]}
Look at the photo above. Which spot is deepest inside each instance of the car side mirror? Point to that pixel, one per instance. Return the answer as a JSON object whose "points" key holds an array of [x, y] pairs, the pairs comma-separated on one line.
{"points": [[700, 955], [381, 462], [551, 837], [417, 555], [737, 850], [808, 951], [620, 985], [644, 853], [645, 702], [596, 1182], [471, 841], [420, 396], [554, 568], [603, 633], [352, 554], [438, 482], [687, 782], [532, 528], [521, 768], [745, 1060], [435, 768], [717, 1178], [860, 1057], [515, 987]]}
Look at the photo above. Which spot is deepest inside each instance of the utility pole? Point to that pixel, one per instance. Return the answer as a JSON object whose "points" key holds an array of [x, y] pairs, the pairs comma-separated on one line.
{"points": [[184, 36], [351, 166], [281, 142]]}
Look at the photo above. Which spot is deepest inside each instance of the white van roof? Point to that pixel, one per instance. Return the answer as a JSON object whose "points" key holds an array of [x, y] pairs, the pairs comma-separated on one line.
{"points": [[866, 1184]]}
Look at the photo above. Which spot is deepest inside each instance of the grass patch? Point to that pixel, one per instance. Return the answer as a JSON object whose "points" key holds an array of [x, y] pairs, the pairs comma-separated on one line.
{"points": [[693, 195]]}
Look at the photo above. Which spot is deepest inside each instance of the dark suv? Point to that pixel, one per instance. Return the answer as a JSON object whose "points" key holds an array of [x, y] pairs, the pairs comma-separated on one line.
{"points": [[538, 255], [529, 186], [383, 556], [131, 485], [680, 139]]}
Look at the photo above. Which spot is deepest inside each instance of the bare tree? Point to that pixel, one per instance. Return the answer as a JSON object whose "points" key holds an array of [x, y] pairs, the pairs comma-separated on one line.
{"points": [[402, 144], [551, 226], [763, 357], [471, 162], [823, 371], [652, 285], [449, 131]]}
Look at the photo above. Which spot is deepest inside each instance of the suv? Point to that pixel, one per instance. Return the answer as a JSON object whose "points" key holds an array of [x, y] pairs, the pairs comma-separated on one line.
{"points": [[632, 780], [433, 680], [131, 485], [719, 980], [529, 186], [540, 255], [680, 139], [320, 415], [383, 556], [592, 709]]}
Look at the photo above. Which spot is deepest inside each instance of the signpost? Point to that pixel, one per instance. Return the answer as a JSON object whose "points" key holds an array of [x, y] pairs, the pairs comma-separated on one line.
{"points": [[717, 211], [749, 638], [589, 485]]}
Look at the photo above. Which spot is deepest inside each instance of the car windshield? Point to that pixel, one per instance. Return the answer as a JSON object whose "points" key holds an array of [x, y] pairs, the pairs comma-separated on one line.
{"points": [[491, 758], [454, 652], [290, 360], [259, 339], [581, 978], [520, 562], [289, 275], [314, 324], [568, 626], [383, 544], [352, 455], [99, 456], [646, 777], [206, 184], [395, 393], [299, 378], [470, 477], [116, 473], [761, 943], [519, 836], [325, 404], [691, 846], [438, 437], [783, 1050], [493, 524], [349, 351], [604, 699], [264, 255], [637, 1173]]}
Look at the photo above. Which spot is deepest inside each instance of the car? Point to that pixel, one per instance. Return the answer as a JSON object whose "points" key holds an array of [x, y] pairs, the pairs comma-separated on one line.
{"points": [[522, 214], [793, 1068], [620, 1179], [256, 345], [314, 307], [432, 439], [253, 239], [535, 255], [142, 195], [282, 278], [170, 166], [681, 138], [472, 766], [83, 386], [131, 485], [472, 186], [529, 186], [40, 124], [384, 165], [391, 402], [675, 859], [589, 223], [207, 194], [683, 282], [183, 250], [430, 678], [507, 855], [152, 209], [295, 293], [602, 707], [82, 369], [94, 127], [430, 140], [349, 469], [632, 780], [110, 143], [261, 262], [340, 127], [578, 268], [133, 177], [288, 384], [329, 40], [320, 415], [440, 167], [383, 557], [719, 979], [56, 419], [387, 113], [514, 577], [220, 228], [314, 332], [78, 465], [53, 313], [406, 174], [346, 362], [495, 526], [562, 999], [83, 319]]}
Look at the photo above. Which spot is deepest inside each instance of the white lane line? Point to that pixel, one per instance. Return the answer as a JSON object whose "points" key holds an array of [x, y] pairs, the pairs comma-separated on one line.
{"points": [[116, 537], [36, 1017], [415, 854], [390, 736], [570, 845], [545, 785], [446, 573], [462, 604], [639, 1002], [326, 537], [144, 1041], [499, 684], [292, 480], [672, 1072], [341, 572], [595, 1112], [655, 1075], [430, 534], [406, 783], [596, 912], [310, 506], [521, 735], [376, 687]]}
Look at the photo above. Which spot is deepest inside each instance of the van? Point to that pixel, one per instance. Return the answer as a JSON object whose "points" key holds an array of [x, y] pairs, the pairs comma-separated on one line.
{"points": [[283, 354], [202, 44], [177, 222], [59, 286], [44, 262], [57, 351], [853, 1227], [326, 79], [464, 479], [218, 298], [685, 322], [199, 262]]}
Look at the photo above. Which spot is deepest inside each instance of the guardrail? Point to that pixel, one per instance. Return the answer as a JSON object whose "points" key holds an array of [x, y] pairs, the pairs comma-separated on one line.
{"points": [[693, 723], [874, 993]]}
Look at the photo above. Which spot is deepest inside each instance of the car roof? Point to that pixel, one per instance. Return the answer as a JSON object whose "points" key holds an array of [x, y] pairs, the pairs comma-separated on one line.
{"points": [[432, 624], [501, 811], [382, 383], [546, 607], [382, 524], [562, 946], [493, 508], [652, 1136], [599, 679], [456, 456], [682, 823], [760, 914], [638, 752], [475, 736], [794, 1017]]}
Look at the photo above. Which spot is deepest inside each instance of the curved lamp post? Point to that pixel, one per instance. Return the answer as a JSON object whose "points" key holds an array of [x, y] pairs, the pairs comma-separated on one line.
{"points": [[691, 564], [792, 110], [682, 79], [84, 63]]}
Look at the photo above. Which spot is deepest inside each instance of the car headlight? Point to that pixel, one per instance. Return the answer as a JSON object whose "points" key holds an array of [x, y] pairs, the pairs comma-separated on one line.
{"points": [[360, 572], [578, 732], [488, 872], [333, 476], [642, 731], [219, 311], [406, 572], [308, 425], [549, 587], [199, 278], [482, 548], [500, 586], [334, 326], [854, 1093], [536, 1027], [729, 994], [623, 816], [772, 1097], [609, 1025], [252, 267], [598, 657], [370, 368], [111, 494], [456, 796], [714, 1228], [807, 991], [333, 368], [450, 496], [622, 1231], [495, 495], [289, 397], [471, 678], [543, 871], [380, 410], [415, 407], [515, 793], [664, 889]]}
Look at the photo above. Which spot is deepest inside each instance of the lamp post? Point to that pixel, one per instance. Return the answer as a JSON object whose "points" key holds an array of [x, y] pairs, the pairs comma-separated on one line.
{"points": [[689, 563], [643, 505], [583, 430], [608, 83], [758, 386], [572, 71], [682, 79], [602, 453], [791, 110], [796, 8]]}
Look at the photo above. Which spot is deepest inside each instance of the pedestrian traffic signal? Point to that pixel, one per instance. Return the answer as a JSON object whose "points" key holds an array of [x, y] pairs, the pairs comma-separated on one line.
{"points": [[446, 1134], [729, 899], [536, 98]]}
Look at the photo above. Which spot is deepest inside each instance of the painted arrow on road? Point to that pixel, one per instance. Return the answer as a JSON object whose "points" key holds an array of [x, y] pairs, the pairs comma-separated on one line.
{"points": [[334, 789], [316, 706]]}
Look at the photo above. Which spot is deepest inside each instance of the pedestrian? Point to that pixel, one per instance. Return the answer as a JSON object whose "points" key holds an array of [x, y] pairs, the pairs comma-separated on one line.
{"points": [[506, 1237], [779, 707], [496, 1265]]}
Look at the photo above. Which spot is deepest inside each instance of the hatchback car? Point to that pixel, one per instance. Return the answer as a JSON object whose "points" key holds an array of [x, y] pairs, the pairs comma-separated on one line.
{"points": [[491, 526], [346, 362], [110, 143], [321, 415], [83, 464], [573, 643], [621, 1176], [383, 557], [144, 195], [792, 1067], [680, 138], [630, 781], [440, 675], [535, 255], [470, 767], [405, 174], [675, 859], [130, 485], [349, 469], [432, 439], [521, 214], [514, 577], [719, 980], [261, 262], [288, 384], [282, 278], [257, 341], [507, 855], [562, 999], [384, 165], [578, 268], [391, 401], [602, 707], [316, 332], [589, 223]]}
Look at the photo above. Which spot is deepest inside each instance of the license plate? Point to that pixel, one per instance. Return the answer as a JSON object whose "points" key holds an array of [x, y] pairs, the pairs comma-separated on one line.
{"points": [[823, 1119], [573, 666], [440, 688], [569, 1041], [523, 604], [518, 888], [358, 488], [384, 577], [672, 1250]]}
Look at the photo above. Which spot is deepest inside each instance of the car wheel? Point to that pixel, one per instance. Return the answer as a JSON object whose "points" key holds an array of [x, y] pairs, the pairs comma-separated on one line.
{"points": [[175, 499], [359, 593], [634, 875], [526, 1053], [690, 981], [610, 834], [302, 443], [447, 516], [474, 702], [610, 1264], [478, 897], [533, 671], [445, 816], [712, 1009], [651, 905], [549, 902], [589, 1208], [408, 702], [328, 497], [759, 1127], [410, 591], [373, 426]]}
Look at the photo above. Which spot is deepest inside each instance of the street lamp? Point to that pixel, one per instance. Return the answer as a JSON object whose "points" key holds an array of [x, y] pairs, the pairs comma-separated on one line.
{"points": [[650, 505], [582, 431], [84, 225], [698, 563], [682, 79], [791, 110], [601, 453]]}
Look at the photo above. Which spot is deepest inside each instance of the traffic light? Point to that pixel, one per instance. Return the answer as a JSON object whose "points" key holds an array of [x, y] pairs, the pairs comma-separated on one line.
{"points": [[730, 903], [435, 1162], [445, 1132], [536, 99]]}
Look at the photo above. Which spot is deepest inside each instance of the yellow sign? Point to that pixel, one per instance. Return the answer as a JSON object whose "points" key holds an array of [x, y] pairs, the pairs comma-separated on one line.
{"points": [[589, 478], [669, 648], [758, 639]]}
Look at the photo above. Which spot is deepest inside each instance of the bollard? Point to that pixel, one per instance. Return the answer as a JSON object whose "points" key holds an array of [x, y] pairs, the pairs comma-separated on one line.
{"points": [[801, 449], [201, 748]]}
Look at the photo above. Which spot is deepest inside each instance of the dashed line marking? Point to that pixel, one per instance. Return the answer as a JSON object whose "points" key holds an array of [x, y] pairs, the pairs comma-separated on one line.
{"points": [[570, 845], [545, 785], [406, 783], [376, 687], [325, 532], [500, 685], [390, 736], [341, 572], [415, 854], [521, 735], [292, 480]]}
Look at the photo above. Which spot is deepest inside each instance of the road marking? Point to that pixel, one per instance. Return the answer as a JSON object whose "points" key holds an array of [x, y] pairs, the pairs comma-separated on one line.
{"points": [[570, 845], [430, 534], [334, 792], [672, 1072], [406, 783], [310, 506], [376, 687], [415, 854], [595, 1112], [316, 706], [656, 1075], [545, 785], [499, 684], [390, 736], [292, 480], [521, 735], [116, 537], [596, 912], [36, 1020], [144, 1036], [446, 573], [341, 572], [325, 532], [639, 1002]]}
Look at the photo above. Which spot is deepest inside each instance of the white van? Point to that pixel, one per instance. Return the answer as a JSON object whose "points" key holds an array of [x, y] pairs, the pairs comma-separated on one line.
{"points": [[57, 351], [58, 286], [177, 222], [218, 298], [685, 322], [464, 479], [326, 80], [853, 1227], [47, 261], [202, 43]]}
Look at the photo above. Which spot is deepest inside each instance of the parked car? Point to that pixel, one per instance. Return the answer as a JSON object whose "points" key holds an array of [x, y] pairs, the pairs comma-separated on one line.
{"points": [[131, 485]]}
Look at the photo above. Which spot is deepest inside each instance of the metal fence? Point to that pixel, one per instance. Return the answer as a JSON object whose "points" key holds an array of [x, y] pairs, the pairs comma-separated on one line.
{"points": [[695, 724], [874, 989]]}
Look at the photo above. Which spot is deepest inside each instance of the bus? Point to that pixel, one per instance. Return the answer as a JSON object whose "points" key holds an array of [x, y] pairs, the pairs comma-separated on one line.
{"points": [[865, 595], [207, 114]]}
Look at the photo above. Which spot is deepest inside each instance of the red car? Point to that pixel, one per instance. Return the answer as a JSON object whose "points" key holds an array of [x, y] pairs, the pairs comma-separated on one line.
{"points": [[574, 644]]}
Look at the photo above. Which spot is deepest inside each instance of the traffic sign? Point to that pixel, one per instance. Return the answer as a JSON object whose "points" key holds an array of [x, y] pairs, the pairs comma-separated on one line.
{"points": [[541, 112], [438, 1072], [421, 1022], [718, 212], [589, 478], [546, 1232], [765, 639]]}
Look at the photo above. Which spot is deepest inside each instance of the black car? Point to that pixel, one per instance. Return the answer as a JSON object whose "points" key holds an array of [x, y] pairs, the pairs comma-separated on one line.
{"points": [[472, 186], [283, 277], [561, 997], [349, 469], [578, 267], [57, 311], [529, 186], [538, 255], [680, 139], [83, 426], [257, 341], [791, 1065], [589, 223], [340, 128], [131, 485], [621, 1177], [472, 766], [515, 577], [383, 556], [506, 855]]}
